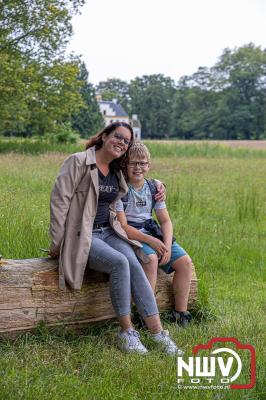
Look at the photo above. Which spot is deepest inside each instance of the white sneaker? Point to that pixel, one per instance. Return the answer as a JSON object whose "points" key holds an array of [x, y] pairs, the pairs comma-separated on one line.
{"points": [[167, 344], [129, 341]]}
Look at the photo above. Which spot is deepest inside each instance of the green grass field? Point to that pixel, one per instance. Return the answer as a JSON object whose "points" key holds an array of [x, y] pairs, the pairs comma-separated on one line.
{"points": [[217, 201]]}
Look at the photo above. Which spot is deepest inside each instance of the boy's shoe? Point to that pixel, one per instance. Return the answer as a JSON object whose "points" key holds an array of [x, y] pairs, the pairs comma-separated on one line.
{"points": [[166, 343], [129, 341], [181, 318]]}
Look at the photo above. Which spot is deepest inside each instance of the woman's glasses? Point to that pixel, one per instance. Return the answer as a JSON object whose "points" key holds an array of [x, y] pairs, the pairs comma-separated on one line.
{"points": [[121, 138], [141, 164]]}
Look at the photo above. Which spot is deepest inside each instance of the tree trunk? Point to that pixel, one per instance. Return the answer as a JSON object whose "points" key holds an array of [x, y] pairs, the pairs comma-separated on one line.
{"points": [[29, 294]]}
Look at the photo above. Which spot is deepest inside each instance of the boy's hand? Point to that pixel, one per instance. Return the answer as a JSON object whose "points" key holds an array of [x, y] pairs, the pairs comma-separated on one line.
{"points": [[161, 191], [165, 258], [157, 245]]}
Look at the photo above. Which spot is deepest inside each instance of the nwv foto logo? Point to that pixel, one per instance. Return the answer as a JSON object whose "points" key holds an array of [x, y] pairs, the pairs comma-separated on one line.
{"points": [[223, 365]]}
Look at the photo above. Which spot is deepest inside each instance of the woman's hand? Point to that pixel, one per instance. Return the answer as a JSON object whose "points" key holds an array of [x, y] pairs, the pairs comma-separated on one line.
{"points": [[161, 191], [157, 245]]}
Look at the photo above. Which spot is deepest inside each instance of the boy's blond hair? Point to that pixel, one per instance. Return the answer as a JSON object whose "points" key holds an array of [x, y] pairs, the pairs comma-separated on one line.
{"points": [[138, 151]]}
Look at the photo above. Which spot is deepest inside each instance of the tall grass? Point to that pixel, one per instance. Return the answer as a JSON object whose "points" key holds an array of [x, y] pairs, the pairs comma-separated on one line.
{"points": [[174, 149], [206, 150], [217, 205], [36, 147]]}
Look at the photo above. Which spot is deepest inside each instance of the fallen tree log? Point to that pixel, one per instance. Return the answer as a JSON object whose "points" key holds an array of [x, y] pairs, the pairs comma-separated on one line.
{"points": [[29, 294]]}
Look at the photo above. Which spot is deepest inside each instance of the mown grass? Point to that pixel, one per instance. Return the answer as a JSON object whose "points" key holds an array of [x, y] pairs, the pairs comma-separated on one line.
{"points": [[218, 208]]}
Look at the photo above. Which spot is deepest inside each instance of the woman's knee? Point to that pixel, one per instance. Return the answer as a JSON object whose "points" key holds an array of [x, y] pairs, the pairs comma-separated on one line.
{"points": [[120, 262]]}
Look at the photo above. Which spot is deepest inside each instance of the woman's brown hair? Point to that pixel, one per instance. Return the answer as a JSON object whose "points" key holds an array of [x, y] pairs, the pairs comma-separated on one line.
{"points": [[97, 141]]}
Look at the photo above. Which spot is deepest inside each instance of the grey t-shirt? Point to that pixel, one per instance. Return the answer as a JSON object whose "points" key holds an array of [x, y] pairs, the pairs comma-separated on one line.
{"points": [[139, 206]]}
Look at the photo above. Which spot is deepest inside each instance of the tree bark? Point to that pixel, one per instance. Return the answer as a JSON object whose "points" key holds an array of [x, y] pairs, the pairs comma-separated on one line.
{"points": [[29, 294]]}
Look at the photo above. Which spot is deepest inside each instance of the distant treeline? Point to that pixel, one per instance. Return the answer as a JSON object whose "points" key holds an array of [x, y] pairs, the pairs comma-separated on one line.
{"points": [[43, 92], [227, 101]]}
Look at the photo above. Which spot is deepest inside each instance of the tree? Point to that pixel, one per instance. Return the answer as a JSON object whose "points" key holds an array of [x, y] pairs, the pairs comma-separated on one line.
{"points": [[56, 95], [36, 28], [38, 86], [240, 74], [14, 111], [35, 97], [193, 106], [151, 97], [89, 119], [115, 89], [226, 101]]}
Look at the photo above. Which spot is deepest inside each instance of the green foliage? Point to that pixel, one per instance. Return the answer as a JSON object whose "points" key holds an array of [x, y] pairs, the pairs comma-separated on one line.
{"points": [[14, 111], [88, 119], [39, 88], [115, 89], [36, 28], [193, 113], [241, 75], [63, 134], [56, 97], [40, 96], [226, 101], [151, 99]]}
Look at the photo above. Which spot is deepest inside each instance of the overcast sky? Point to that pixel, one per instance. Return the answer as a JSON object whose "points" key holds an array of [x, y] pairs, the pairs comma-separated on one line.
{"points": [[129, 38]]}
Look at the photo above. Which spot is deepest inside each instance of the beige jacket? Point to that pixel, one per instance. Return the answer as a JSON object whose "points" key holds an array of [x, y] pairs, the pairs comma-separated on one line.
{"points": [[73, 208]]}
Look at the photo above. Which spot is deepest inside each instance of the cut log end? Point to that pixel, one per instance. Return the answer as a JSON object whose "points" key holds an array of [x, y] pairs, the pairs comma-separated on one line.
{"points": [[29, 294]]}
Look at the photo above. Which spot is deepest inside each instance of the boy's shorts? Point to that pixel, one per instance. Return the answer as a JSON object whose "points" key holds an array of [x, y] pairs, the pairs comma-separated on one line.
{"points": [[176, 252]]}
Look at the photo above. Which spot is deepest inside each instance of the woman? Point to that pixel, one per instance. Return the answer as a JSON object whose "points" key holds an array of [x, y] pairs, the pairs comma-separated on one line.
{"points": [[85, 231]]}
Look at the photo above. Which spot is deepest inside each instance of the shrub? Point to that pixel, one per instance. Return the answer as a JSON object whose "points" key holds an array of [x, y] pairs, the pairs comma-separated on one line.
{"points": [[63, 134]]}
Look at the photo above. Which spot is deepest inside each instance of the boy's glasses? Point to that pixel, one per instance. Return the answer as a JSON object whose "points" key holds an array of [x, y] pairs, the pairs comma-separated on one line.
{"points": [[141, 164], [121, 138]]}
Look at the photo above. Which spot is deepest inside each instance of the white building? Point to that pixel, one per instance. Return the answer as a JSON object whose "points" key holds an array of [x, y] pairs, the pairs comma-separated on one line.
{"points": [[114, 112], [136, 126]]}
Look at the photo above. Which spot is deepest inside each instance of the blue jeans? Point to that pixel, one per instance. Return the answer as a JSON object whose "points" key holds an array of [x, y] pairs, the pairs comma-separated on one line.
{"points": [[114, 256]]}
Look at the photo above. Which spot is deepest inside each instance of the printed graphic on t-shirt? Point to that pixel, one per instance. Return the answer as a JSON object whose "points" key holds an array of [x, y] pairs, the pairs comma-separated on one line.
{"points": [[107, 189], [139, 205]]}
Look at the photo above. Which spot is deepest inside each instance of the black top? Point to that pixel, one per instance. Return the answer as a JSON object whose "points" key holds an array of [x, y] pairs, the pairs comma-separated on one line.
{"points": [[108, 189]]}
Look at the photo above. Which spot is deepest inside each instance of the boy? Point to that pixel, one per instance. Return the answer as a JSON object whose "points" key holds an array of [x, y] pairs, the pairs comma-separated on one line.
{"points": [[135, 215]]}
